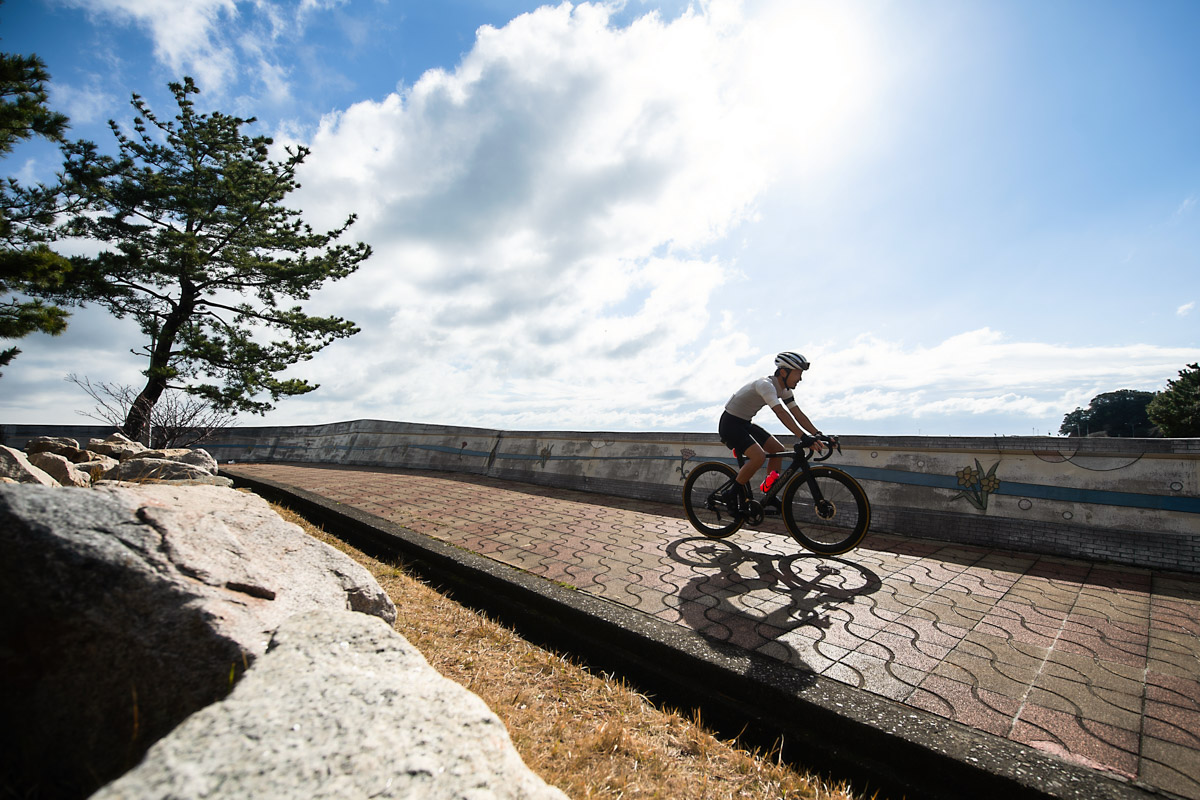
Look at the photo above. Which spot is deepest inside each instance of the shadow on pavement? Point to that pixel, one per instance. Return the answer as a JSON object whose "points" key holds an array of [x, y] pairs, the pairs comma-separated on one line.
{"points": [[751, 599]]}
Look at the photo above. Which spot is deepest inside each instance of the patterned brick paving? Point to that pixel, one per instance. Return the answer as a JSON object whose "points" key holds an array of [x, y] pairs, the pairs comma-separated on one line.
{"points": [[1095, 663]]}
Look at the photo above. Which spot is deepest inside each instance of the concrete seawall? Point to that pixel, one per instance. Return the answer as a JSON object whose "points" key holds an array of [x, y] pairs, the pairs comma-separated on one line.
{"points": [[1129, 501]]}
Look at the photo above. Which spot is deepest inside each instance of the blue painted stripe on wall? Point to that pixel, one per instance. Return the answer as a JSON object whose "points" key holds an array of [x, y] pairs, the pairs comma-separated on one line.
{"points": [[1189, 505]]}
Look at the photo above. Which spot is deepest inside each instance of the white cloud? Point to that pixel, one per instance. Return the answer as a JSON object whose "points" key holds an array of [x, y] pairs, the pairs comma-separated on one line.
{"points": [[1185, 309], [979, 373], [83, 105], [225, 45], [538, 213], [320, 5], [187, 36], [977, 380], [1184, 208]]}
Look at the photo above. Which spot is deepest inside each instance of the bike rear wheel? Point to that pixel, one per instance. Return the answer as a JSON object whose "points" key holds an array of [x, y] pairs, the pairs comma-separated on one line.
{"points": [[703, 503], [835, 524]]}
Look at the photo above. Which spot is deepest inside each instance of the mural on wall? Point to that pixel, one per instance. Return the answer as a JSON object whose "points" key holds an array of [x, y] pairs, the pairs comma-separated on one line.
{"points": [[684, 456], [1161, 496], [1090, 462], [976, 484]]}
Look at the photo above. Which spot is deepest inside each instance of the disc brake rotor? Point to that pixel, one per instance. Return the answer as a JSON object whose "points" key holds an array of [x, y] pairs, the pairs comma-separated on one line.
{"points": [[826, 509]]}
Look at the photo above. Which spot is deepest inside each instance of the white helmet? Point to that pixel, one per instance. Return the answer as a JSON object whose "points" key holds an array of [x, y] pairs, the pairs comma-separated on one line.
{"points": [[791, 361]]}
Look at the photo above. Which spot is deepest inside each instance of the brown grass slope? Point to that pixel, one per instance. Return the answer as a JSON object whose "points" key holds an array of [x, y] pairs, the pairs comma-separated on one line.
{"points": [[590, 735]]}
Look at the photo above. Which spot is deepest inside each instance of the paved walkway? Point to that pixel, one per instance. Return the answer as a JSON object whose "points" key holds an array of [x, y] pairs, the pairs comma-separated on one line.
{"points": [[1098, 664]]}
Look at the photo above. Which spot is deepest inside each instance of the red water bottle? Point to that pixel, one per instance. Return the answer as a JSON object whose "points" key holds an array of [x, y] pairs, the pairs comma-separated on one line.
{"points": [[769, 482]]}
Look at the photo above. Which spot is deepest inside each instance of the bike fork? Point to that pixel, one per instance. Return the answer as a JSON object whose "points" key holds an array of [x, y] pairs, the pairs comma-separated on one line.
{"points": [[824, 508]]}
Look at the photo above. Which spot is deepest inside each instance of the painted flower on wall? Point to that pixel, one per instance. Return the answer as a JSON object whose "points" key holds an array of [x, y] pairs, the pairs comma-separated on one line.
{"points": [[976, 484], [685, 454], [967, 476]]}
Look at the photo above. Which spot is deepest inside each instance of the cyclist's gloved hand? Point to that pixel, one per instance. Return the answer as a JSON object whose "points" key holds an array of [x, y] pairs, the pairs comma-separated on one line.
{"points": [[811, 442]]}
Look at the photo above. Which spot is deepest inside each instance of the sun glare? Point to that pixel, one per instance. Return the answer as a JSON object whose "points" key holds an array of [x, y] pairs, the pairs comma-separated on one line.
{"points": [[809, 71]]}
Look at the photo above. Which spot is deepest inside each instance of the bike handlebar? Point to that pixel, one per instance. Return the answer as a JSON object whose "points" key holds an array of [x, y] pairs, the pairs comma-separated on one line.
{"points": [[831, 443]]}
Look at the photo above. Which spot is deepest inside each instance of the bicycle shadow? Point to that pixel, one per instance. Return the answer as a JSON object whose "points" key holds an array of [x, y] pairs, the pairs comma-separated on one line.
{"points": [[752, 599]]}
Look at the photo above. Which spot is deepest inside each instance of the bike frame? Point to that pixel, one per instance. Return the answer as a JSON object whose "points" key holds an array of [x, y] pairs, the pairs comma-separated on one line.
{"points": [[800, 457]]}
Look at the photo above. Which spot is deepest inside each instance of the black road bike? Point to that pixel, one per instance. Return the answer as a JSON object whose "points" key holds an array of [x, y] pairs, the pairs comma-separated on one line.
{"points": [[824, 509]]}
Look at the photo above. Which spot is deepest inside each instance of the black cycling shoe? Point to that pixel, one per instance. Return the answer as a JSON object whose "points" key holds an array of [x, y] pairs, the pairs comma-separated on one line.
{"points": [[735, 500]]}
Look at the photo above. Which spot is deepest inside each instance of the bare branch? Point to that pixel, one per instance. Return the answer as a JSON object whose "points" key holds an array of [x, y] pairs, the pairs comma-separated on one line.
{"points": [[178, 419]]}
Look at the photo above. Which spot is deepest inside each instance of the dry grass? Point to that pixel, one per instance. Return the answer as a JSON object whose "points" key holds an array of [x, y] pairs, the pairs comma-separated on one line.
{"points": [[589, 735]]}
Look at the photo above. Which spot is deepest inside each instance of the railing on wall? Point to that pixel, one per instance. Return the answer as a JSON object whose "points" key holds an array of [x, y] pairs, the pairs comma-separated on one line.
{"points": [[1132, 501]]}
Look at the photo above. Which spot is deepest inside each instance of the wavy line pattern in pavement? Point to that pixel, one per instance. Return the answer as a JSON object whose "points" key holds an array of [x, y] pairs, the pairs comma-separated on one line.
{"points": [[1096, 663]]}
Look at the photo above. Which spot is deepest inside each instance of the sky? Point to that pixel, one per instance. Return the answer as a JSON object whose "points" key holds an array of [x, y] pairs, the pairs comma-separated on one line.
{"points": [[972, 216]]}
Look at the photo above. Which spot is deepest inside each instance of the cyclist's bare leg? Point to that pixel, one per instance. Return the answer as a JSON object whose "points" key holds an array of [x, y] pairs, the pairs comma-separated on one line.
{"points": [[755, 457], [773, 447]]}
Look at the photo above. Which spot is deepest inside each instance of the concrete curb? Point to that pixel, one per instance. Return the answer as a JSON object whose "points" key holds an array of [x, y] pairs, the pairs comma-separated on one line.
{"points": [[819, 723]]}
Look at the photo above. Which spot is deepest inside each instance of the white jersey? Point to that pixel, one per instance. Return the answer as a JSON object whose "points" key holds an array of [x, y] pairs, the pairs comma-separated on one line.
{"points": [[749, 400]]}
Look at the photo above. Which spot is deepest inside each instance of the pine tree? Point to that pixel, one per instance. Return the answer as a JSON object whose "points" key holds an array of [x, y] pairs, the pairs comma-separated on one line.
{"points": [[1119, 413], [1176, 409], [27, 213], [203, 253]]}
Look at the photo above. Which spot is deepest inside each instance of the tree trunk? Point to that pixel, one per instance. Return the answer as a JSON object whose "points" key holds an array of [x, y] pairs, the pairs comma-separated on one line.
{"points": [[137, 421]]}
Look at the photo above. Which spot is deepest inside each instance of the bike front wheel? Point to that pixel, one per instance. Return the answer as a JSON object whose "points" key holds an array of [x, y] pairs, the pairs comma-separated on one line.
{"points": [[832, 524], [703, 500]]}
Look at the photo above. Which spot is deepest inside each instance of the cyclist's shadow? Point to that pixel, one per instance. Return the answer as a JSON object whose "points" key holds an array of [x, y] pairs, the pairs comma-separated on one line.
{"points": [[751, 599]]}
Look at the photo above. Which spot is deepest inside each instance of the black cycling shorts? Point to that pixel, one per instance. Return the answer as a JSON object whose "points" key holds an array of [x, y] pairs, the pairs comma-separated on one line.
{"points": [[739, 434]]}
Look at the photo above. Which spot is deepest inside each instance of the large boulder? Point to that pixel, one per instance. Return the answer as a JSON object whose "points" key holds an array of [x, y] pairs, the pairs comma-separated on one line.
{"points": [[140, 469], [117, 445], [126, 609], [60, 468], [16, 465], [61, 445], [79, 456], [340, 706], [116, 458], [96, 465], [196, 457]]}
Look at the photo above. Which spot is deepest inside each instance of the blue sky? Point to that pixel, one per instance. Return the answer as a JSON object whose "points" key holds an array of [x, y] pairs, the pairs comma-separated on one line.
{"points": [[972, 217]]}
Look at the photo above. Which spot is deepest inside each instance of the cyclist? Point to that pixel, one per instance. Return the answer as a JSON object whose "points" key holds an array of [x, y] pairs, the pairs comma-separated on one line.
{"points": [[741, 435]]}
